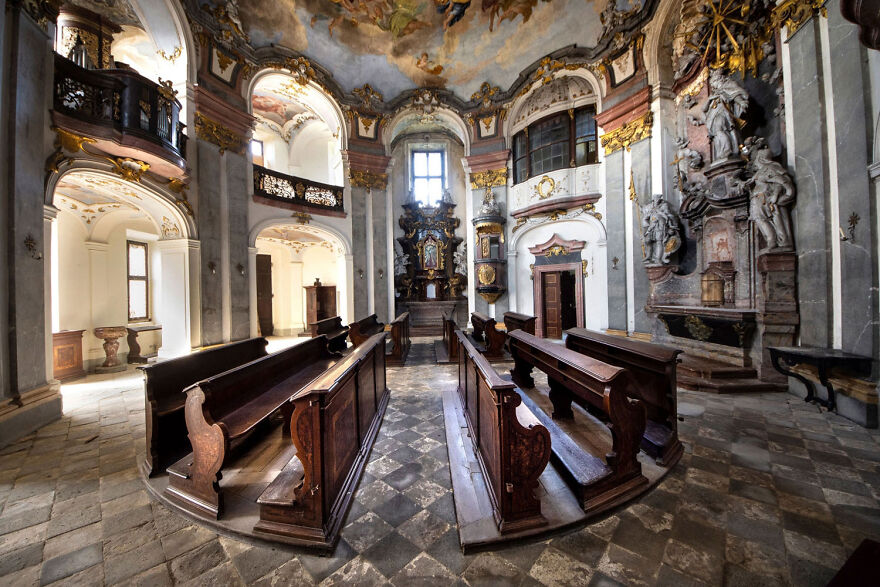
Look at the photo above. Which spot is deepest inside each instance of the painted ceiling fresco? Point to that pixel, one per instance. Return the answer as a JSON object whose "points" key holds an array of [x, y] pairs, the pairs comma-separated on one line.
{"points": [[117, 11], [396, 45]]}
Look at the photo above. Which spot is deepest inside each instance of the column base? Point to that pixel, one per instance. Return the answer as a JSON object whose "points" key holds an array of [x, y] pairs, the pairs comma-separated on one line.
{"points": [[31, 410]]}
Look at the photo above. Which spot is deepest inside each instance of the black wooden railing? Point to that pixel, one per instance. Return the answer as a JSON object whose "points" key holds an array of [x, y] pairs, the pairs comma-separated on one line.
{"points": [[296, 190], [122, 99]]}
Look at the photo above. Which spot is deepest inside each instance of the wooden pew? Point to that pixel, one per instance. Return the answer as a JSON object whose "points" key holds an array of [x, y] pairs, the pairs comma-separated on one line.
{"points": [[604, 387], [488, 340], [450, 342], [360, 331], [399, 340], [513, 448], [653, 381], [333, 425], [222, 411], [333, 329], [164, 397], [524, 322]]}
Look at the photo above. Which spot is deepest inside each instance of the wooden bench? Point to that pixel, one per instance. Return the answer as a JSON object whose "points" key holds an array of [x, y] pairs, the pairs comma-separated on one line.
{"points": [[400, 341], [222, 411], [334, 422], [164, 385], [825, 361], [513, 448], [447, 349], [487, 339], [598, 485], [524, 322], [653, 381], [360, 331], [333, 329]]}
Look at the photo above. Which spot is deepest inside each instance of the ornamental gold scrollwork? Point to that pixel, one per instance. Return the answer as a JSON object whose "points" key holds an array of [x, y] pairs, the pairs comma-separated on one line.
{"points": [[557, 251], [553, 216], [127, 168], [489, 179], [698, 329], [544, 188], [213, 132], [486, 275], [793, 14], [362, 178], [629, 133]]}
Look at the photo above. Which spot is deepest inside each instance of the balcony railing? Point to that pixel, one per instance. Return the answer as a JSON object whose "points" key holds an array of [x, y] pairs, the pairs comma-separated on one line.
{"points": [[120, 99], [296, 190]]}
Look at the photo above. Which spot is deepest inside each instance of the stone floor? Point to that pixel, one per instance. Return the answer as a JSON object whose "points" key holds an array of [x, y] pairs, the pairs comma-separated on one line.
{"points": [[770, 491]]}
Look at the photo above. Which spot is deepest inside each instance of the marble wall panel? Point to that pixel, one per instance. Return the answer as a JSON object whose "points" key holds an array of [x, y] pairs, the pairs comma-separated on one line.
{"points": [[237, 198], [380, 256], [616, 201], [359, 245], [641, 172], [209, 221]]}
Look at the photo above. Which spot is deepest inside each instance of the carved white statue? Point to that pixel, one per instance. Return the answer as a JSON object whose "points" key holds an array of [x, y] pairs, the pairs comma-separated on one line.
{"points": [[660, 232], [726, 104], [686, 159], [771, 192], [459, 259], [401, 260]]}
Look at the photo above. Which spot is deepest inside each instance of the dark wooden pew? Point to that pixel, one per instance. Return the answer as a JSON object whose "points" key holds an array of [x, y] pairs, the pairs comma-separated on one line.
{"points": [[604, 387], [447, 352], [399, 340], [653, 381], [360, 331], [333, 425], [333, 329], [222, 411], [164, 385], [524, 322], [513, 448], [487, 339]]}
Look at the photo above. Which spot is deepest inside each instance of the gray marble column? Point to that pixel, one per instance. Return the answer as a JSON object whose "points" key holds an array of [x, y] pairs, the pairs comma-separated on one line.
{"points": [[210, 221], [811, 178], [615, 203], [237, 182], [641, 173], [27, 64], [380, 255], [852, 122], [359, 237]]}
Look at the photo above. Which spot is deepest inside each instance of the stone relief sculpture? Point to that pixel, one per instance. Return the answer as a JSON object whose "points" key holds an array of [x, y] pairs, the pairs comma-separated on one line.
{"points": [[459, 259], [401, 260], [660, 233], [686, 160], [726, 105], [771, 192]]}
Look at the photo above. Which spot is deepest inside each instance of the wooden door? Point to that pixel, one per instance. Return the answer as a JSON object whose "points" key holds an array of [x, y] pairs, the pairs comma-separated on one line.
{"points": [[264, 294], [552, 304], [567, 300]]}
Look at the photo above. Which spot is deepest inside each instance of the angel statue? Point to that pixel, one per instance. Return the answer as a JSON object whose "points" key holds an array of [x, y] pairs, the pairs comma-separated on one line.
{"points": [[660, 233], [401, 260], [726, 104], [771, 192], [459, 259]]}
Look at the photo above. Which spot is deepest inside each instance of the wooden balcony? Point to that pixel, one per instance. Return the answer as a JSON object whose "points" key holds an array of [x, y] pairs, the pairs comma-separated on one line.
{"points": [[127, 114], [295, 193]]}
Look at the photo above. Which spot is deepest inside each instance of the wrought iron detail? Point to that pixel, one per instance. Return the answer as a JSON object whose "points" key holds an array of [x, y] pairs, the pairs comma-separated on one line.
{"points": [[296, 190]]}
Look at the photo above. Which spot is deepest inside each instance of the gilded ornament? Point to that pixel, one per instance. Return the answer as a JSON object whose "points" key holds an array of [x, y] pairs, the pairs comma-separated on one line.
{"points": [[557, 250], [488, 179], [490, 296], [166, 90], [175, 55], [793, 14], [129, 169], [362, 178], [301, 217], [213, 132], [698, 329], [631, 132], [368, 95], [224, 61], [544, 188], [486, 274], [484, 95], [584, 268]]}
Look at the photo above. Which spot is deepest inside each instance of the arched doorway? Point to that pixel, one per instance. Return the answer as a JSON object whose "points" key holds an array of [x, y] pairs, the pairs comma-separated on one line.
{"points": [[122, 256], [288, 258]]}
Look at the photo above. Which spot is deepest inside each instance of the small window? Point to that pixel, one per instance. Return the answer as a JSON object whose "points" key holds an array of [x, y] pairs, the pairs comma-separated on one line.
{"points": [[257, 152], [429, 177], [585, 144], [138, 282], [565, 139]]}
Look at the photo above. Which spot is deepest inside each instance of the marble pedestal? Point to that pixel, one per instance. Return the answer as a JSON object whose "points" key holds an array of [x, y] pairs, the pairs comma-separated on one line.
{"points": [[111, 336]]}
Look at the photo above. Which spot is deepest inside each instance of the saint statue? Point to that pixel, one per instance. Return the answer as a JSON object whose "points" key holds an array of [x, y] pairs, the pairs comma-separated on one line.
{"points": [[401, 260], [726, 104], [661, 236], [459, 258], [771, 192]]}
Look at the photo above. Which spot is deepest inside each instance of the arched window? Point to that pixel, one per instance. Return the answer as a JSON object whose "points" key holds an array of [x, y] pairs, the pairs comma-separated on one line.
{"points": [[565, 139]]}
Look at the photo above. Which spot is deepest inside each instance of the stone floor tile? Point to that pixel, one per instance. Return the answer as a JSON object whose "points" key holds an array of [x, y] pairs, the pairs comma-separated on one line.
{"points": [[21, 538], [554, 567], [391, 553], [366, 531], [423, 529], [224, 575], [158, 576], [322, 567], [258, 561], [197, 562], [133, 562], [290, 573], [185, 540], [21, 558], [71, 563], [357, 571]]}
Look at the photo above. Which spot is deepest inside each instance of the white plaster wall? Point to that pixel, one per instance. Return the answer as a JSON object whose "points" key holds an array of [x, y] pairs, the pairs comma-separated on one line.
{"points": [[275, 150], [92, 284], [310, 154], [595, 283]]}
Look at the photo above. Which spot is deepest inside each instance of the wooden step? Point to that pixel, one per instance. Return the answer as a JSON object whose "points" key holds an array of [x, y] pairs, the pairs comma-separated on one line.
{"points": [[743, 385], [699, 367]]}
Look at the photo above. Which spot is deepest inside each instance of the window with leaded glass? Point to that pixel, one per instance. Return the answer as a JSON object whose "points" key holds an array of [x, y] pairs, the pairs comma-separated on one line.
{"points": [[138, 282], [565, 139], [428, 177]]}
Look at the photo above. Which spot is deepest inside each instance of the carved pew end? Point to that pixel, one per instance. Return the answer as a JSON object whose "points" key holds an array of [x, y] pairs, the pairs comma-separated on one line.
{"points": [[179, 492]]}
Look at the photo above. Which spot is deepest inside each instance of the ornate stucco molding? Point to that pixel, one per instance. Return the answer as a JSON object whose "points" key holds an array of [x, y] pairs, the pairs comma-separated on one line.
{"points": [[794, 14], [213, 132], [489, 178], [629, 133], [362, 178]]}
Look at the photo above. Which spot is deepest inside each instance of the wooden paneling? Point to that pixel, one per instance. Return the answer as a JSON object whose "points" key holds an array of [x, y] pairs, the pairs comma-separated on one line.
{"points": [[552, 305], [264, 294], [67, 358]]}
